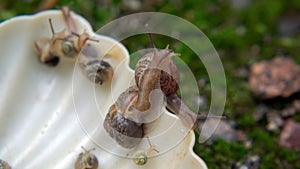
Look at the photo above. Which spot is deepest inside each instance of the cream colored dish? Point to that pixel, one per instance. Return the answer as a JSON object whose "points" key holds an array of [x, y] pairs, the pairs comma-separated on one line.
{"points": [[48, 113]]}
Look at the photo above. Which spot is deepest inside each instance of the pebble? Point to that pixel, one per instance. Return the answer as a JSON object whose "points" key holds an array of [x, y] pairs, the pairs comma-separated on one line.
{"points": [[278, 77], [274, 121], [201, 102], [260, 111], [202, 82], [290, 135], [291, 109], [240, 4], [224, 130], [249, 162], [289, 25]]}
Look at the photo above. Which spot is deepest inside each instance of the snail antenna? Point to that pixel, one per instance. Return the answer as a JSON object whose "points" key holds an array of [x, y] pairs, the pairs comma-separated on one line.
{"points": [[51, 26], [150, 38], [90, 39], [88, 150]]}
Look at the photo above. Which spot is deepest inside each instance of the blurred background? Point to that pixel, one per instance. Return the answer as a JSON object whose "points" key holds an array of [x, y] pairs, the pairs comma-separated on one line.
{"points": [[259, 132]]}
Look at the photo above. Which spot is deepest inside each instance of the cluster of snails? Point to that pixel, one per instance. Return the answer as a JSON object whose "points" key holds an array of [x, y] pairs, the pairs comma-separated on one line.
{"points": [[69, 43], [125, 121]]}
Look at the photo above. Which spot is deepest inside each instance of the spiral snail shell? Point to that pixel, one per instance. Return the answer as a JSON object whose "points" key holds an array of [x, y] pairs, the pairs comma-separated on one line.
{"points": [[86, 160], [125, 131], [141, 157], [169, 78], [95, 69]]}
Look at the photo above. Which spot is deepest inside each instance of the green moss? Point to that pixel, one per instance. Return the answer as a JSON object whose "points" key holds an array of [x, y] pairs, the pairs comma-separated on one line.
{"points": [[221, 154]]}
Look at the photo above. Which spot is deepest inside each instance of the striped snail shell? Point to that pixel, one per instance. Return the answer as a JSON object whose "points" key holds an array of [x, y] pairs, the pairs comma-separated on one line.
{"points": [[126, 132], [96, 70], [86, 160]]}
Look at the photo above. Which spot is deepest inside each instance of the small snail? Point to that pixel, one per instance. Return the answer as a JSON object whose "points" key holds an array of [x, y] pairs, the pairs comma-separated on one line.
{"points": [[67, 43], [96, 70], [4, 165], [86, 160], [141, 158]]}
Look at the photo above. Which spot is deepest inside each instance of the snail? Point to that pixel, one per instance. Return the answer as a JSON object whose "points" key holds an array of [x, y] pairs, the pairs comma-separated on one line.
{"points": [[120, 122], [95, 69], [4, 165], [141, 158], [86, 160], [67, 43]]}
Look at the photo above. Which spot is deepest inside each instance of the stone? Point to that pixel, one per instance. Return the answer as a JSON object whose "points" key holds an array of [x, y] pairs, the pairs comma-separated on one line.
{"points": [[289, 25], [278, 77], [290, 135], [291, 109], [224, 130], [260, 112], [274, 121], [249, 162]]}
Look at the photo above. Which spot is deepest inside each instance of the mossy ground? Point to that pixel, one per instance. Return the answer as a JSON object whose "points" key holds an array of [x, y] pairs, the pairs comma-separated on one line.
{"points": [[241, 36]]}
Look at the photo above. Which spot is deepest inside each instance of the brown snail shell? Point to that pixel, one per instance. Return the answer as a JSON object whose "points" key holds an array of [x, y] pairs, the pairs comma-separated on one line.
{"points": [[86, 160], [125, 131], [169, 78], [95, 69]]}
